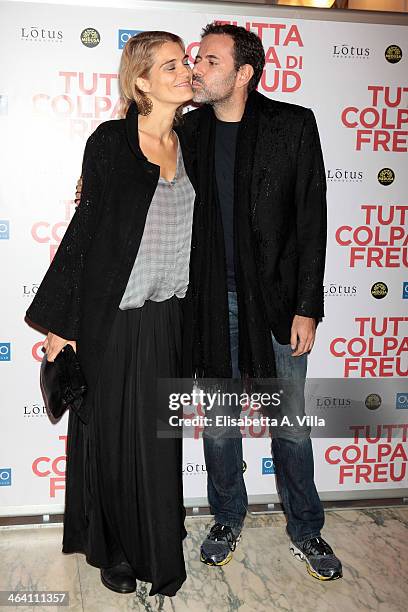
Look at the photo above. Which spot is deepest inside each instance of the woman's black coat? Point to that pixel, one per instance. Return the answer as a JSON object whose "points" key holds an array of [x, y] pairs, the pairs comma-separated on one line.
{"points": [[82, 289]]}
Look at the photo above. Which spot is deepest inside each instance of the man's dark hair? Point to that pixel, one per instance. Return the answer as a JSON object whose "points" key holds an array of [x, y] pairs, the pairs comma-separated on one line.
{"points": [[248, 48]]}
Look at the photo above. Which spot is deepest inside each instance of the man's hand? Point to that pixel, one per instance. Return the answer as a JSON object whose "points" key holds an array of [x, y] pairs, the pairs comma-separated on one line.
{"points": [[78, 190], [302, 335], [53, 344]]}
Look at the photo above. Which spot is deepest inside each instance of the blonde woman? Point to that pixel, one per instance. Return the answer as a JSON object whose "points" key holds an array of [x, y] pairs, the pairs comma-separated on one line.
{"points": [[114, 292]]}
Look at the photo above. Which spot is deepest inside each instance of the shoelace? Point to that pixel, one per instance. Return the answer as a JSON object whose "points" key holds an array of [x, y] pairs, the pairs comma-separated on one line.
{"points": [[317, 546], [223, 532]]}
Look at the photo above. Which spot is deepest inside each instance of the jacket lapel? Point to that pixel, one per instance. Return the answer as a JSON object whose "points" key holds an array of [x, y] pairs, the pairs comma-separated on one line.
{"points": [[257, 150], [132, 134], [246, 184], [206, 153], [189, 156]]}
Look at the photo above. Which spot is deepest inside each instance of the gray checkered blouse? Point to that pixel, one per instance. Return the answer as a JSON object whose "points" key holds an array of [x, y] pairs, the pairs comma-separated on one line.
{"points": [[161, 268]]}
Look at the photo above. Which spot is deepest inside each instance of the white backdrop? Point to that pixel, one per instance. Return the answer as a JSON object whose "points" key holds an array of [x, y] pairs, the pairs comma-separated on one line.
{"points": [[58, 80]]}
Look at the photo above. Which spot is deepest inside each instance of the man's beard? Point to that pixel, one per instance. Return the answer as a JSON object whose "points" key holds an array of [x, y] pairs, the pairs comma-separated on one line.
{"points": [[205, 96]]}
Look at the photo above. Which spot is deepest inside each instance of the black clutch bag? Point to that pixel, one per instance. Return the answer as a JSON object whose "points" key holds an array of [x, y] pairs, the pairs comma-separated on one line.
{"points": [[62, 382]]}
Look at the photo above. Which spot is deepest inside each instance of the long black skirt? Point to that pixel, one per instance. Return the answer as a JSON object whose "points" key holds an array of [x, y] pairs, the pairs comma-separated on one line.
{"points": [[124, 495]]}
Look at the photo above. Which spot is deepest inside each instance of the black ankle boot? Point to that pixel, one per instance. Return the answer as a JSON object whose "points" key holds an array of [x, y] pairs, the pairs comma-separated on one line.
{"points": [[119, 578]]}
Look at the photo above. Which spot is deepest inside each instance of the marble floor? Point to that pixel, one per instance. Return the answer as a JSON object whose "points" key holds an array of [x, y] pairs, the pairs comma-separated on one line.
{"points": [[263, 575]]}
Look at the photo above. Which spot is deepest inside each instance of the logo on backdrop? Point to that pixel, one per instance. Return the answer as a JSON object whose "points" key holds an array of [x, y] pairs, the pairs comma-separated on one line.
{"points": [[405, 290], [5, 351], [393, 54], [332, 402], [5, 477], [345, 51], [194, 469], [337, 290], [379, 348], [90, 38], [4, 229], [283, 46], [51, 234], [379, 291], [339, 175], [86, 99], [3, 104], [401, 401], [54, 469], [382, 125], [267, 466], [37, 351], [124, 35], [381, 241], [373, 401], [376, 454], [386, 176], [30, 290], [41, 35], [34, 410]]}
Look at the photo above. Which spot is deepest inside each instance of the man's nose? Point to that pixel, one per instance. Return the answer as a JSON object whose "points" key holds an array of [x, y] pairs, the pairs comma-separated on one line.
{"points": [[197, 70]]}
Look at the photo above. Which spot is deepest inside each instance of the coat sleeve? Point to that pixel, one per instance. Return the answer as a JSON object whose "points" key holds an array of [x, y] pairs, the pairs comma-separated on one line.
{"points": [[311, 220], [57, 304]]}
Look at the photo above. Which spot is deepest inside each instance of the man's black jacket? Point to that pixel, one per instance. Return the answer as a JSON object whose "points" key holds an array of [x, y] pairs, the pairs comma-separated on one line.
{"points": [[287, 202]]}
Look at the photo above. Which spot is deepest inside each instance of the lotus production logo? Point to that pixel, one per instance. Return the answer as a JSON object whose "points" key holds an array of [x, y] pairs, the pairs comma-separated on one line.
{"points": [[340, 175], [373, 401], [30, 290], [346, 51], [336, 290], [379, 291], [37, 34], [35, 410], [333, 402], [393, 54], [90, 37], [194, 469], [386, 176]]}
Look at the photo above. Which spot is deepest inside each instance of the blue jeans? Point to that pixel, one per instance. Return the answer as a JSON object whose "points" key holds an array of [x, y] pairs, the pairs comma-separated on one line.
{"points": [[291, 449]]}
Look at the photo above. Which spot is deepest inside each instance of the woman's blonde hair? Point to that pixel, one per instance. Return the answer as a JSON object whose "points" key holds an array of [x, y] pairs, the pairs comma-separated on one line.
{"points": [[136, 61]]}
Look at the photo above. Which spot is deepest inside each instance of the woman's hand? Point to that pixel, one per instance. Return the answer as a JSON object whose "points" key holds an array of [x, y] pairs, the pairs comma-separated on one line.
{"points": [[53, 345]]}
